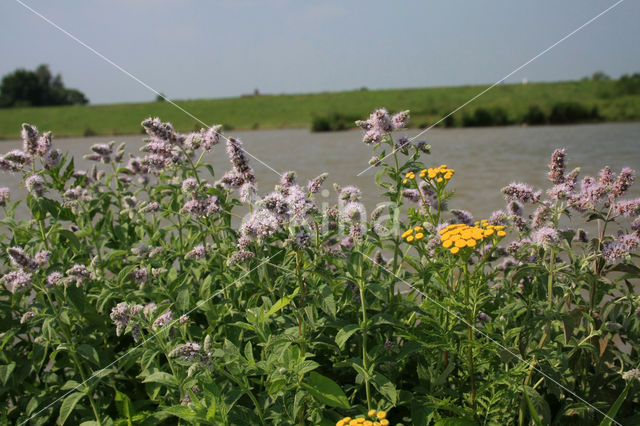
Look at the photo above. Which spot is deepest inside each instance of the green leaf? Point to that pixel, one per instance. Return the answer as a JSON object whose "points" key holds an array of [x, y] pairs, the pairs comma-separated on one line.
{"points": [[386, 388], [5, 372], [344, 333], [328, 302], [182, 412], [281, 304], [68, 405], [89, 353], [534, 414], [450, 421], [211, 411], [325, 391], [124, 406], [611, 414], [538, 407], [182, 300], [162, 378], [147, 358], [421, 414]]}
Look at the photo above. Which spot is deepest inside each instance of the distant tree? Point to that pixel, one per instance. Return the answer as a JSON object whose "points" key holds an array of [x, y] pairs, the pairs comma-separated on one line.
{"points": [[600, 76], [37, 88], [628, 84], [161, 97]]}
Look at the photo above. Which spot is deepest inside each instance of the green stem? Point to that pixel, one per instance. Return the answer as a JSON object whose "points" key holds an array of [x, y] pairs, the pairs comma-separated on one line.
{"points": [[72, 352], [469, 337]]}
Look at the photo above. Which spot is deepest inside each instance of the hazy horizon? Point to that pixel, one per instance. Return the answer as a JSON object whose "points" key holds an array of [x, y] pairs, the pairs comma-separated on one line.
{"points": [[226, 49]]}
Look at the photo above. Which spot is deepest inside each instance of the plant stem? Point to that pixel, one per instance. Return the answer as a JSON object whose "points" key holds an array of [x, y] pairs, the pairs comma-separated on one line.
{"points": [[365, 358], [469, 337], [365, 331]]}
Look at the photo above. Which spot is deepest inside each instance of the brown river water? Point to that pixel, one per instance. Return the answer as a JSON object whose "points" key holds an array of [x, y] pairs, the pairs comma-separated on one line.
{"points": [[485, 159]]}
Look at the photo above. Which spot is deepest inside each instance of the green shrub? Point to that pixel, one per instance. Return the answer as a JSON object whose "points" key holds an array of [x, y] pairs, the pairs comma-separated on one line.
{"points": [[496, 116], [572, 112], [333, 122], [534, 116]]}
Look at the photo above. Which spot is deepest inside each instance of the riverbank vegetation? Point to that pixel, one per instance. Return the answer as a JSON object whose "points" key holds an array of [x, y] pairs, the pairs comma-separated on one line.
{"points": [[129, 296], [613, 100]]}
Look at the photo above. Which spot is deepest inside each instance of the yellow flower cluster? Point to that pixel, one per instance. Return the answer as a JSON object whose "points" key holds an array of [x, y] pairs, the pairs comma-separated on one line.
{"points": [[458, 236], [413, 234], [439, 174], [377, 418]]}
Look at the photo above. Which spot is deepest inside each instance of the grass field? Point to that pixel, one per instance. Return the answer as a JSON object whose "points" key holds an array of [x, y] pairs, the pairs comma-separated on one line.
{"points": [[282, 111]]}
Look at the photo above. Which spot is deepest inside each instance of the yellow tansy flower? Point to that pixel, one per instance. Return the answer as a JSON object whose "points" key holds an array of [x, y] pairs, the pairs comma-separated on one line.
{"points": [[419, 236], [447, 244], [460, 243], [381, 415], [410, 238], [454, 250]]}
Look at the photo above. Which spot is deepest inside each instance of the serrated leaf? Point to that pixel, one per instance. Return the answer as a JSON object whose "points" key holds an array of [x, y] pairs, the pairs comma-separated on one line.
{"points": [[68, 405], [325, 391], [450, 421], [89, 353], [538, 407], [386, 388], [344, 333], [611, 414], [280, 304], [182, 412], [5, 372], [307, 366], [162, 378], [124, 406]]}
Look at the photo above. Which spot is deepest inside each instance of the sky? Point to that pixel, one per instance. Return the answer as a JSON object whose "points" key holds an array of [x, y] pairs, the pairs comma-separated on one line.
{"points": [[193, 49]]}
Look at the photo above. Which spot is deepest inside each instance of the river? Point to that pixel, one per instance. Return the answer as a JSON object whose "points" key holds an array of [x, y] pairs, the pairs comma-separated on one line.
{"points": [[485, 159]]}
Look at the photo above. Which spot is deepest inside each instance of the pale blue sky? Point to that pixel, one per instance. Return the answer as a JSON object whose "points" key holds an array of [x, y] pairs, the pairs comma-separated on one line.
{"points": [[203, 49]]}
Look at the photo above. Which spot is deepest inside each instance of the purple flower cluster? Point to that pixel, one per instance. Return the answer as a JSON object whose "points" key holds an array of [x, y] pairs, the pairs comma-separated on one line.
{"points": [[33, 145], [188, 352], [78, 274], [520, 192], [620, 248], [288, 203], [120, 315], [240, 256], [545, 236], [101, 152], [462, 216], [198, 252], [16, 281], [557, 167], [313, 186], [201, 207], [241, 172], [4, 196], [35, 185], [381, 123], [163, 319]]}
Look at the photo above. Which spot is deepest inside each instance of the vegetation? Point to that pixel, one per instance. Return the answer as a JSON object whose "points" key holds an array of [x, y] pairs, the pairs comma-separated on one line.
{"points": [[129, 297], [282, 111], [23, 88]]}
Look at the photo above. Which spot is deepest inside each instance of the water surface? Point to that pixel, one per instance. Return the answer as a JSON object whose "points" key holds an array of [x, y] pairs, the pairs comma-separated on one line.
{"points": [[485, 159]]}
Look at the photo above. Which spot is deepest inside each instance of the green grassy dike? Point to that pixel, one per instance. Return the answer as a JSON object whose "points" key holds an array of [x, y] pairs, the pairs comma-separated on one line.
{"points": [[298, 111]]}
